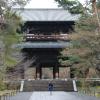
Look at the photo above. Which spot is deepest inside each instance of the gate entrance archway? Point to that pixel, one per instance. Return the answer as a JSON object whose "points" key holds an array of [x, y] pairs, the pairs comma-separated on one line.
{"points": [[47, 72]]}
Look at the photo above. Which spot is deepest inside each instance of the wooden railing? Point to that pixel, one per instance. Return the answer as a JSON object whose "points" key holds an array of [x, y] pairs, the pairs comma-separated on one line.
{"points": [[93, 79], [46, 37], [87, 86]]}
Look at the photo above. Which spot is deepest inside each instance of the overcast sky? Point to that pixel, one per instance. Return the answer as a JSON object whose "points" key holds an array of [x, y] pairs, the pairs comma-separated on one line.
{"points": [[44, 4]]}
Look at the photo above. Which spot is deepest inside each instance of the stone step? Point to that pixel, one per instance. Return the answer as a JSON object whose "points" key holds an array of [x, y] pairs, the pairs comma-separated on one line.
{"points": [[42, 85]]}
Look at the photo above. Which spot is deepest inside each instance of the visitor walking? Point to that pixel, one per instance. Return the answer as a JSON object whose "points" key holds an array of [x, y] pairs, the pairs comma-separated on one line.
{"points": [[50, 88]]}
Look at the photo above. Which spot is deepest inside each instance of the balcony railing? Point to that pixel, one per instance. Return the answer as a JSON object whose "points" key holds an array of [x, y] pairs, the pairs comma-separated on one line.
{"points": [[46, 37]]}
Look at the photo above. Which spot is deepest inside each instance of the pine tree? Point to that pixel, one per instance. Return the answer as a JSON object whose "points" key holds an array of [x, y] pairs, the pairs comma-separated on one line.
{"points": [[86, 44], [74, 6]]}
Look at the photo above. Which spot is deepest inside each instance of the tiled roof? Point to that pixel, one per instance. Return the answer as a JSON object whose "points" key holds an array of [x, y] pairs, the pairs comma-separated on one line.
{"points": [[46, 15]]}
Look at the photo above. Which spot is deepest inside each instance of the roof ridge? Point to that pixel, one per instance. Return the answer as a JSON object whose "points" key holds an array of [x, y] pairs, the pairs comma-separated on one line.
{"points": [[39, 8]]}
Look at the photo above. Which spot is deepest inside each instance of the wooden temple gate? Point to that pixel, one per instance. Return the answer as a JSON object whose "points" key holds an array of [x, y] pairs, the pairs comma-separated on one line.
{"points": [[44, 38]]}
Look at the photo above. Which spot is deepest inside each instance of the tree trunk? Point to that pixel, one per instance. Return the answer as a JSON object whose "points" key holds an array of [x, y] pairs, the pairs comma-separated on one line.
{"points": [[95, 13], [94, 6]]}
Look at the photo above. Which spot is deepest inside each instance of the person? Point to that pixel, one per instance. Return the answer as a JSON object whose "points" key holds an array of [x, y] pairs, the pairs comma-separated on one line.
{"points": [[50, 88]]}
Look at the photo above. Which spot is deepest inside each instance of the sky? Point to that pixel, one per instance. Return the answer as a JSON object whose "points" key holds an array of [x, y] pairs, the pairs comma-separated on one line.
{"points": [[44, 4]]}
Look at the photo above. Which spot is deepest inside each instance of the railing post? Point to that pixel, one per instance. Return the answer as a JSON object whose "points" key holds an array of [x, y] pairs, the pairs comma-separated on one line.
{"points": [[22, 86], [94, 92], [0, 97], [4, 97], [74, 86]]}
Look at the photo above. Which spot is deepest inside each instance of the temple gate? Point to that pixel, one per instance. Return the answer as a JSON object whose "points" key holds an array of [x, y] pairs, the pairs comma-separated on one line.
{"points": [[46, 34]]}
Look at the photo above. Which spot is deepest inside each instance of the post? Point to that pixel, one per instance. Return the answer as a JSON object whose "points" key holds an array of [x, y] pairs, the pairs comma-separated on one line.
{"points": [[38, 73], [56, 72], [22, 73]]}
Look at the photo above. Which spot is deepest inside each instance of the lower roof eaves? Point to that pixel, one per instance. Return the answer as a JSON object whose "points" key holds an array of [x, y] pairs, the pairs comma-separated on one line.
{"points": [[43, 45]]}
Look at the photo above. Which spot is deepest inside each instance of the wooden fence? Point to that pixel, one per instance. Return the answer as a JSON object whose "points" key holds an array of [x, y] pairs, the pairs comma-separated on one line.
{"points": [[8, 94]]}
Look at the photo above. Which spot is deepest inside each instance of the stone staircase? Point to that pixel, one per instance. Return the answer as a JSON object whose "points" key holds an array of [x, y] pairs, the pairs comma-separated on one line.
{"points": [[42, 85]]}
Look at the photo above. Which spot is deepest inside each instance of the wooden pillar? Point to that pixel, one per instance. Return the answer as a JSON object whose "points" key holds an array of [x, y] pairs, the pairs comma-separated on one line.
{"points": [[72, 70], [55, 72], [22, 73], [38, 73]]}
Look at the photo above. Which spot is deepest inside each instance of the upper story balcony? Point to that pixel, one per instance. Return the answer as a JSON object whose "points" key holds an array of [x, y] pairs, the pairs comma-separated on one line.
{"points": [[32, 37]]}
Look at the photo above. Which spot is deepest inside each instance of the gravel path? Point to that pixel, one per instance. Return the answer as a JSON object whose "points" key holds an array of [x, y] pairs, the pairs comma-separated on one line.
{"points": [[60, 96], [54, 96], [21, 96]]}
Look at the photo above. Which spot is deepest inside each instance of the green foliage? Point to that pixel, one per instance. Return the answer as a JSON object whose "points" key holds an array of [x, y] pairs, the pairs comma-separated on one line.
{"points": [[69, 60], [6, 5], [86, 44], [9, 37], [88, 37], [86, 22], [98, 3], [2, 86], [76, 43], [74, 6], [74, 59], [8, 32]]}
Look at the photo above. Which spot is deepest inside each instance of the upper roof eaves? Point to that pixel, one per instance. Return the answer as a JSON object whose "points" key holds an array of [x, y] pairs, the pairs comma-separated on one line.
{"points": [[46, 15]]}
